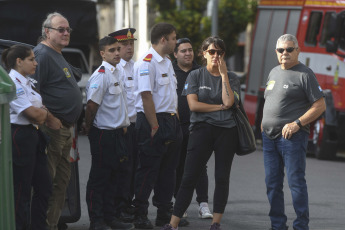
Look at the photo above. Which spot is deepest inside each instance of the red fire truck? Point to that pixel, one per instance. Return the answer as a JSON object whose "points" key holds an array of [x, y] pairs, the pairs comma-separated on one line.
{"points": [[320, 29]]}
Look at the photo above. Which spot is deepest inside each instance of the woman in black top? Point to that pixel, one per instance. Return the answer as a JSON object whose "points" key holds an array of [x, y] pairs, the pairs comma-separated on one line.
{"points": [[211, 91]]}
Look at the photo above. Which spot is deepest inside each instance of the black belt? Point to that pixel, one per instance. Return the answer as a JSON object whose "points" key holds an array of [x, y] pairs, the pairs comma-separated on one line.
{"points": [[24, 126], [166, 114], [161, 114]]}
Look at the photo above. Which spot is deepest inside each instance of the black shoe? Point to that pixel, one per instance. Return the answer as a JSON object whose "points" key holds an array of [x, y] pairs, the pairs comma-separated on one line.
{"points": [[126, 217], [99, 226], [163, 218], [117, 224], [142, 222]]}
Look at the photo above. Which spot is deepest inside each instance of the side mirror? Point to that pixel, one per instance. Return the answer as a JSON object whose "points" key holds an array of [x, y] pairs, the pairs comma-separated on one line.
{"points": [[331, 47]]}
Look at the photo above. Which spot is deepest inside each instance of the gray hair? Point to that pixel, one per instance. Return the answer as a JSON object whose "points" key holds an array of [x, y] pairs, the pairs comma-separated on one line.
{"points": [[48, 23], [287, 38]]}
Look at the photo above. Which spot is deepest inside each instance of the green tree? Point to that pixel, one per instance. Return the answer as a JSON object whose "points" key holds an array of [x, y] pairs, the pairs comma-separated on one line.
{"points": [[191, 21]]}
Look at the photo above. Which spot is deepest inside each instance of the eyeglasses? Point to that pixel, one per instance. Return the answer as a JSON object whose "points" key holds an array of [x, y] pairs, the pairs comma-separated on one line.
{"points": [[289, 49], [61, 30], [182, 40], [212, 52]]}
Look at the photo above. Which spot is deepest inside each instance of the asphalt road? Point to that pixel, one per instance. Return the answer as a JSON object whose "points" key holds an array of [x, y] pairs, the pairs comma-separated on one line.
{"points": [[247, 207]]}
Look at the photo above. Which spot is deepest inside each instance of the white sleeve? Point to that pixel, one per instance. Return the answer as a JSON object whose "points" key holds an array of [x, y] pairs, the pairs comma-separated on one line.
{"points": [[97, 88], [22, 101], [146, 77]]}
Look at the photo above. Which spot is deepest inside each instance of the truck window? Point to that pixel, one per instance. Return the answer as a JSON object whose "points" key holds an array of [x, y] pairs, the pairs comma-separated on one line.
{"points": [[342, 35], [326, 32], [313, 28], [76, 60]]}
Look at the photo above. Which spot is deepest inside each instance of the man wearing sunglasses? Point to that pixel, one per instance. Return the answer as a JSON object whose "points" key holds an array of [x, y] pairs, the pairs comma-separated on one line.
{"points": [[183, 65], [61, 95], [293, 99]]}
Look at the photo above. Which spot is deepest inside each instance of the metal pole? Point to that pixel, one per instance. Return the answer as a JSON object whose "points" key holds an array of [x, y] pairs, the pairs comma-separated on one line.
{"points": [[215, 18]]}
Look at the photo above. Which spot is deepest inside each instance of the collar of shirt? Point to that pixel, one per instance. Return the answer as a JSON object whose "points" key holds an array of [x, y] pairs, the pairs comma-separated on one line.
{"points": [[17, 76], [110, 67], [156, 55], [123, 62]]}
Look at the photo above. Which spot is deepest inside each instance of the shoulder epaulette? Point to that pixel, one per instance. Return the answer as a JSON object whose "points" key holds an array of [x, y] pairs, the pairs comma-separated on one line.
{"points": [[148, 58], [101, 69]]}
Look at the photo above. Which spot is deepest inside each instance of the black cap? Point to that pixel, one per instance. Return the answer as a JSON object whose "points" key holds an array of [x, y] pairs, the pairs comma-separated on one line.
{"points": [[124, 34]]}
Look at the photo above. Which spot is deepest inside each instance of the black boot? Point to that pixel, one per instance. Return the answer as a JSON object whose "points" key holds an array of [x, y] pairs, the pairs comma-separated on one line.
{"points": [[163, 218], [142, 222]]}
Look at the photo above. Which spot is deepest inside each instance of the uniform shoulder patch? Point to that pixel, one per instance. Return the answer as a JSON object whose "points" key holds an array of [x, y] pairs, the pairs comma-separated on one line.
{"points": [[148, 58], [101, 69]]}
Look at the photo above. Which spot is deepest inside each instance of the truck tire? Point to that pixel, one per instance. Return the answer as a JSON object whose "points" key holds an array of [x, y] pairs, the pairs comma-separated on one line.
{"points": [[324, 141]]}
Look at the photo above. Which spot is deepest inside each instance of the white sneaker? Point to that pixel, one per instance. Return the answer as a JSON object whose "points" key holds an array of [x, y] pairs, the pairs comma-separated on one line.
{"points": [[204, 211], [184, 214]]}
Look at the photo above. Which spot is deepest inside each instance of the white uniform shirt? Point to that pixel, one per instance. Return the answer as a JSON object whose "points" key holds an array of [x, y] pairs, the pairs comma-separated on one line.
{"points": [[128, 80], [106, 89], [158, 77], [26, 97]]}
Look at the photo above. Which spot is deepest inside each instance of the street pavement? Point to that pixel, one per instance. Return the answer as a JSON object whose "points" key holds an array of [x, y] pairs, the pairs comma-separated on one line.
{"points": [[247, 207]]}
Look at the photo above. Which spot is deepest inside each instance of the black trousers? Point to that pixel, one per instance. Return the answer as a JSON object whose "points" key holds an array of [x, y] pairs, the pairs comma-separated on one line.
{"points": [[203, 140], [30, 170], [107, 149], [158, 159], [125, 192], [201, 188]]}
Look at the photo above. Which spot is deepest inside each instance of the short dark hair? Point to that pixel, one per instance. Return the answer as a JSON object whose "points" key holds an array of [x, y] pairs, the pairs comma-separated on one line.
{"points": [[106, 41], [160, 30], [216, 41], [10, 55], [181, 41]]}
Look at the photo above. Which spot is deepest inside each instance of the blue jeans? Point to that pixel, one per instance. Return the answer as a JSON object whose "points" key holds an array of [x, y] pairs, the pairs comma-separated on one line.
{"points": [[290, 153]]}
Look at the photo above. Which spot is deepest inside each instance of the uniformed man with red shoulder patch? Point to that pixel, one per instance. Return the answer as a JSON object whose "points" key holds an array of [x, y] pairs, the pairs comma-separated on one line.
{"points": [[106, 119], [125, 193], [158, 129]]}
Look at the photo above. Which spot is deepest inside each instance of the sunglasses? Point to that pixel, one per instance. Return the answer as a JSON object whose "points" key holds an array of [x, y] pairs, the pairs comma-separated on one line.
{"points": [[182, 40], [212, 52], [61, 30], [289, 49]]}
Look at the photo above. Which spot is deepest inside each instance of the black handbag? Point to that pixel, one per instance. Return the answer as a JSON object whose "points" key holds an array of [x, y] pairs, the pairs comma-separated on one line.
{"points": [[246, 139]]}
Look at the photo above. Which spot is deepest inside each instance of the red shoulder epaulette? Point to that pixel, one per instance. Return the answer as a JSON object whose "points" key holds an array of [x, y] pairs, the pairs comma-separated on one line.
{"points": [[148, 58], [101, 70]]}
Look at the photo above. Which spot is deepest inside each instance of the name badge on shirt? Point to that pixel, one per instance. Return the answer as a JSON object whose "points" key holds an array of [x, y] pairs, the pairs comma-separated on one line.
{"points": [[164, 75], [130, 78], [270, 85], [68, 75], [116, 83]]}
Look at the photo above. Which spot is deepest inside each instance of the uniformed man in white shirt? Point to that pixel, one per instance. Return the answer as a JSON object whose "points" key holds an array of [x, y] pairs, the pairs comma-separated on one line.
{"points": [[106, 120], [159, 132], [125, 193]]}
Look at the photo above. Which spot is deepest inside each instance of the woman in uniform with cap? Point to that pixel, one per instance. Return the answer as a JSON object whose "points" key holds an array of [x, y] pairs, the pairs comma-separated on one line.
{"points": [[28, 142]]}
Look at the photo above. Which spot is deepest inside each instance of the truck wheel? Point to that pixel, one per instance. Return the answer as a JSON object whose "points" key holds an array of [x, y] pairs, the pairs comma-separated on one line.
{"points": [[325, 141]]}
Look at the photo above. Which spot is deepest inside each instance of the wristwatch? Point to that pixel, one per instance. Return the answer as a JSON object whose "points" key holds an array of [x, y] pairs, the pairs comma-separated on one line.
{"points": [[298, 122]]}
